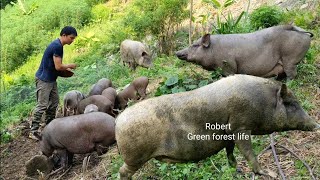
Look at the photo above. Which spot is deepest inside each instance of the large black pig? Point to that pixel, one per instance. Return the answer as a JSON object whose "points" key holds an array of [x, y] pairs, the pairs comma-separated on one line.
{"points": [[193, 125], [269, 52]]}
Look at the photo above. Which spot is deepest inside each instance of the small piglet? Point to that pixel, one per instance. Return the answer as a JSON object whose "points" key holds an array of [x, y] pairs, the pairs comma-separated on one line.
{"points": [[91, 108], [101, 85], [111, 94], [70, 102], [135, 91], [103, 104], [78, 134]]}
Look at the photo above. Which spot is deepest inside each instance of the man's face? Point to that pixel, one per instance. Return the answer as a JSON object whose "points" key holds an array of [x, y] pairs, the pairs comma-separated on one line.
{"points": [[69, 38]]}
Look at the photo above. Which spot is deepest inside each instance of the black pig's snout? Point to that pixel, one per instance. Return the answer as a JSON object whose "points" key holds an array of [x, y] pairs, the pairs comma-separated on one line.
{"points": [[181, 55]]}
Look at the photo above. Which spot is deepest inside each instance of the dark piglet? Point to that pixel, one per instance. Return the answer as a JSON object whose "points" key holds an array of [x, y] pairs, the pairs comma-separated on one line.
{"points": [[103, 104], [101, 85], [78, 134], [111, 94], [135, 91], [70, 102]]}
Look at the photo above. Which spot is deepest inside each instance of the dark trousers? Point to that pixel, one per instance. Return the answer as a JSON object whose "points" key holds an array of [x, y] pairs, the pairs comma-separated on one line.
{"points": [[47, 101]]}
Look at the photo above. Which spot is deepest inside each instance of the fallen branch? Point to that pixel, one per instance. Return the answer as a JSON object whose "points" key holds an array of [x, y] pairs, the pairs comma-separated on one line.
{"points": [[64, 172], [305, 164], [85, 164], [275, 156], [264, 150], [53, 172]]}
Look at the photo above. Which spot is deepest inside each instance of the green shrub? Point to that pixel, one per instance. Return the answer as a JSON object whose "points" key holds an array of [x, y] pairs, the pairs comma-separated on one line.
{"points": [[229, 26], [159, 18], [303, 19], [224, 25], [266, 16], [91, 3], [174, 84], [5, 137], [28, 30], [100, 12]]}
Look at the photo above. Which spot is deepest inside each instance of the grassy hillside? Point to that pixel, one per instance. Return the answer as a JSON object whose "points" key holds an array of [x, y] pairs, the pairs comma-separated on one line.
{"points": [[103, 25]]}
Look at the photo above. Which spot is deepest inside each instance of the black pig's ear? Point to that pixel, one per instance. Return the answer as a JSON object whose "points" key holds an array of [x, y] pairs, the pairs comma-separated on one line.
{"points": [[283, 90], [144, 53], [205, 41], [281, 94]]}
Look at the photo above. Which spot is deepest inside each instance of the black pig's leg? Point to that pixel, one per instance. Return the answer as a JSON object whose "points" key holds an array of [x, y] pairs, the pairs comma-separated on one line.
{"points": [[70, 158], [245, 148], [63, 158], [126, 172], [231, 159]]}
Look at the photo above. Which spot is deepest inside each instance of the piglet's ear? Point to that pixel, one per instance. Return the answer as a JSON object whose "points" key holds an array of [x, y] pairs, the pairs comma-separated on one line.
{"points": [[205, 41]]}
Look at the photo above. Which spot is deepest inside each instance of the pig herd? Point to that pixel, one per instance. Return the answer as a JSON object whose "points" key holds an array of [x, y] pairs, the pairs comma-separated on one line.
{"points": [[166, 127], [88, 123]]}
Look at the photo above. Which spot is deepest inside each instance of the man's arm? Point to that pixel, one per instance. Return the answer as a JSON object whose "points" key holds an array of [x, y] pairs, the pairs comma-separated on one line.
{"points": [[61, 67]]}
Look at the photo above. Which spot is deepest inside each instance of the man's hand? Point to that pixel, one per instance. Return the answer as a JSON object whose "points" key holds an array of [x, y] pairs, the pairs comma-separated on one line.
{"points": [[72, 66], [62, 67]]}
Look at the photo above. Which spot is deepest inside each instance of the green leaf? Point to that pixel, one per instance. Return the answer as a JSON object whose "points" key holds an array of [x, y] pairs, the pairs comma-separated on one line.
{"points": [[228, 3], [239, 18], [187, 81], [191, 87], [163, 167], [186, 171], [90, 34], [203, 83], [216, 4], [163, 90], [95, 39], [85, 68], [172, 80], [175, 90], [93, 66]]}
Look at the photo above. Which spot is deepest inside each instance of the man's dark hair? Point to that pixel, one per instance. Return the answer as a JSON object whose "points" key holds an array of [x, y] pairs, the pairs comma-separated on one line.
{"points": [[68, 30]]}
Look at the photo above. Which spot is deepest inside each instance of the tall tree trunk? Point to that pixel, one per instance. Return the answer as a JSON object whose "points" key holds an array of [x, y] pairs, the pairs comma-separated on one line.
{"points": [[190, 23]]}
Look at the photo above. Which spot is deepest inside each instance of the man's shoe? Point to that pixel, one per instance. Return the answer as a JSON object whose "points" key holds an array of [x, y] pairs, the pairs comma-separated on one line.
{"points": [[32, 136]]}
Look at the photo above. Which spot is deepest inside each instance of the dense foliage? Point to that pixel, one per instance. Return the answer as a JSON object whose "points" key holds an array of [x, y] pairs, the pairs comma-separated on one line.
{"points": [[266, 16], [26, 26], [159, 19]]}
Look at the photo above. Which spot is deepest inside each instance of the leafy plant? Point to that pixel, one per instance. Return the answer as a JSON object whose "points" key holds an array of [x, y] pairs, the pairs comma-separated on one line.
{"points": [[5, 137], [100, 12], [174, 84], [229, 26], [85, 41], [91, 3], [225, 25], [21, 5], [33, 29], [266, 16], [159, 18]]}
